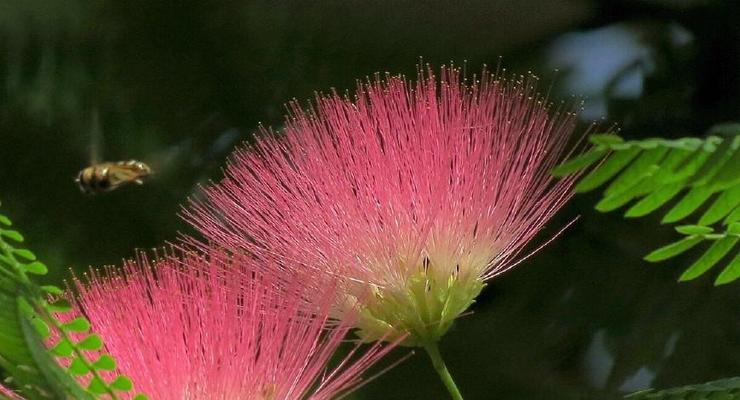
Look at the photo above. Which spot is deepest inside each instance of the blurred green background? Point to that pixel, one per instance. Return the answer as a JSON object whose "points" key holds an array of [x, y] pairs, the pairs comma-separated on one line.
{"points": [[178, 84]]}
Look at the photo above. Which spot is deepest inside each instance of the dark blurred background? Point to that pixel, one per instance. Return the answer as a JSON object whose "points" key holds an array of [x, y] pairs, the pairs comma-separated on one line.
{"points": [[179, 84]]}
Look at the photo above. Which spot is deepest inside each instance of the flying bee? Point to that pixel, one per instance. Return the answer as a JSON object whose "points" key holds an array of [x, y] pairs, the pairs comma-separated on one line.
{"points": [[108, 176], [101, 177]]}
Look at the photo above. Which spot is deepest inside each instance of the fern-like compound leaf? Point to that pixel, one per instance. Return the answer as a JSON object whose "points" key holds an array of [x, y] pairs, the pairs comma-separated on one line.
{"points": [[725, 389], [699, 176], [28, 321]]}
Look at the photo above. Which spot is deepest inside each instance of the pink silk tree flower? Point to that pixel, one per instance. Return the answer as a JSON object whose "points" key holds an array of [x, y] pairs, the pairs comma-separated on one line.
{"points": [[419, 192], [196, 328], [8, 394]]}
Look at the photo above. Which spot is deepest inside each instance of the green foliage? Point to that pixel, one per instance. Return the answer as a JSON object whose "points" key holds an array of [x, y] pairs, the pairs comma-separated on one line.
{"points": [[29, 321], [724, 389], [696, 174]]}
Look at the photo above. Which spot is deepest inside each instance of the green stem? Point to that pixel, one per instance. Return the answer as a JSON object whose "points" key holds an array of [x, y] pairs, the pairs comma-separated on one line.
{"points": [[439, 365]]}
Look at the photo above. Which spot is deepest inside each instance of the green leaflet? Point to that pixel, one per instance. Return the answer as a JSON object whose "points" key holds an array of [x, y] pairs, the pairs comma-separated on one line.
{"points": [[612, 202], [733, 217], [35, 268], [730, 273], [724, 243], [687, 169], [688, 204], [105, 363], [91, 342], [716, 252], [122, 384], [607, 170], [723, 205], [668, 171], [694, 230], [722, 154], [674, 249], [12, 235], [579, 163], [654, 200], [79, 324], [645, 165], [605, 139], [729, 174]]}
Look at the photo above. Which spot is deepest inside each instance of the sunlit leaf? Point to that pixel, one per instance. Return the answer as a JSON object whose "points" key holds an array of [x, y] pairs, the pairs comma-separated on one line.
{"points": [[716, 161], [122, 383], [41, 327], [722, 206], [78, 367], [105, 363], [12, 235], [63, 348], [605, 139], [729, 174], [674, 249], [612, 202], [97, 386], [53, 290], [654, 200], [79, 324], [730, 273], [666, 174], [25, 253], [607, 170], [694, 229], [645, 165], [576, 164], [734, 216], [91, 342], [36, 268], [688, 204], [716, 252]]}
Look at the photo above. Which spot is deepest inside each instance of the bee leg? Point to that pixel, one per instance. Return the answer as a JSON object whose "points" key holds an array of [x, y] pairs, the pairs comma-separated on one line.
{"points": [[138, 181]]}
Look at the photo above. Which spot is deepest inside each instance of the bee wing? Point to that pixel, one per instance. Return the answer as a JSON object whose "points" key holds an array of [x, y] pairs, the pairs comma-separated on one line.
{"points": [[210, 141], [118, 175], [96, 137]]}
